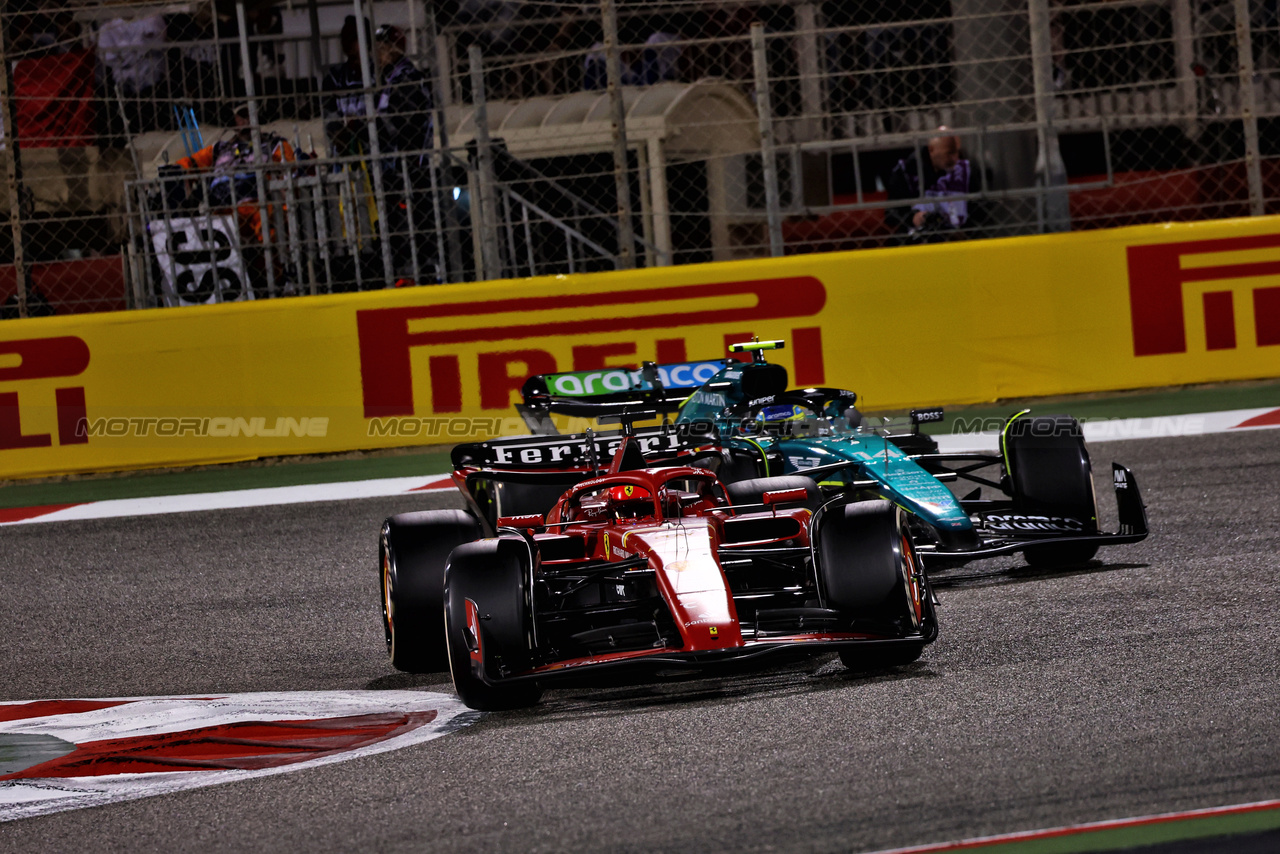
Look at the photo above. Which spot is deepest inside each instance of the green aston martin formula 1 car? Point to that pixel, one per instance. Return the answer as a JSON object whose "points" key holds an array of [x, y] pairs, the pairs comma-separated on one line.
{"points": [[1034, 496]]}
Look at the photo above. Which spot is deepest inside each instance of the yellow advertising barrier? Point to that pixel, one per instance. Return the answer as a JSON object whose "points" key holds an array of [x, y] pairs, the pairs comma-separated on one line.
{"points": [[945, 324]]}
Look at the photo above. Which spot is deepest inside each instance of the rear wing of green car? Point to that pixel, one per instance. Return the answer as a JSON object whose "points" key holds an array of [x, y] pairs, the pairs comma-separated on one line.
{"points": [[613, 394]]}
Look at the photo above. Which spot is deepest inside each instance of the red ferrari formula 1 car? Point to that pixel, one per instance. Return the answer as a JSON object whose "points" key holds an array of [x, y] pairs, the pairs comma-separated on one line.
{"points": [[641, 571]]}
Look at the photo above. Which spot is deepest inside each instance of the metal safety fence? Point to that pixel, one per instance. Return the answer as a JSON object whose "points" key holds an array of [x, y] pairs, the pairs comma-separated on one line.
{"points": [[174, 153], [317, 227]]}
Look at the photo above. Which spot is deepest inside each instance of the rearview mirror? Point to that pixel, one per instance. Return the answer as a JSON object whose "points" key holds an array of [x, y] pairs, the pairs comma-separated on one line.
{"points": [[784, 496], [529, 520]]}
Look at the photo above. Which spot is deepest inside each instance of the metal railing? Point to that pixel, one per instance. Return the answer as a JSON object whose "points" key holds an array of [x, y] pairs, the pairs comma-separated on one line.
{"points": [[610, 136], [319, 231]]}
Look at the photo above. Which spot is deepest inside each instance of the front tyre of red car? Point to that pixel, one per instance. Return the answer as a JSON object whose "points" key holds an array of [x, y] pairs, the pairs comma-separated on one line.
{"points": [[868, 571], [412, 551], [488, 617]]}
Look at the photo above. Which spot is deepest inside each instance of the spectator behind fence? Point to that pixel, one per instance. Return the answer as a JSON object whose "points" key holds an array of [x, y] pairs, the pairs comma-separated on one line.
{"points": [[342, 100], [661, 58], [933, 179], [595, 69], [266, 56], [404, 96], [132, 52], [404, 138], [495, 20]]}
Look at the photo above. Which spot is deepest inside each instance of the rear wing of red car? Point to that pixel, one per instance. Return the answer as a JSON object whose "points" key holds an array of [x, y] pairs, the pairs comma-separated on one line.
{"points": [[578, 451]]}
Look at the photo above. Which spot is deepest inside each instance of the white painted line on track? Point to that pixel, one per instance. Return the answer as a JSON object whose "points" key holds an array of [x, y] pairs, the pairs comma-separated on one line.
{"points": [[59, 755], [1118, 429], [232, 499]]}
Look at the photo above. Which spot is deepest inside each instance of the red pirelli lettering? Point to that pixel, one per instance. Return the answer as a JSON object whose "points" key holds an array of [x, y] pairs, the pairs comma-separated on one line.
{"points": [[41, 358], [385, 340], [38, 359], [1156, 277]]}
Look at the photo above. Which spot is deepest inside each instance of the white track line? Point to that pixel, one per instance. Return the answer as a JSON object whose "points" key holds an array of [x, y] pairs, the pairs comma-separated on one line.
{"points": [[237, 498], [1117, 429]]}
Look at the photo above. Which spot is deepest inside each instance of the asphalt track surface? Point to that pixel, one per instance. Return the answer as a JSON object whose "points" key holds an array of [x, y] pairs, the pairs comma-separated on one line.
{"points": [[1146, 683]]}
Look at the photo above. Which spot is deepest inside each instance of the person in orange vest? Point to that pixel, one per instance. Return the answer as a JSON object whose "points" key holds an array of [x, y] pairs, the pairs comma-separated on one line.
{"points": [[228, 179], [231, 179]]}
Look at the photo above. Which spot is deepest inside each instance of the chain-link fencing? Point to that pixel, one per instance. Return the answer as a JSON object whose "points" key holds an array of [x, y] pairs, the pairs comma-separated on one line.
{"points": [[177, 153]]}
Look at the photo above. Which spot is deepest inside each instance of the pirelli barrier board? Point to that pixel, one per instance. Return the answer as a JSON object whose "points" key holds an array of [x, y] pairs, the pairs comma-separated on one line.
{"points": [[946, 324]]}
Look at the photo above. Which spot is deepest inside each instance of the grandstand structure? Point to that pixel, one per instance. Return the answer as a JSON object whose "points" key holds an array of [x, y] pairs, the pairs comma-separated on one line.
{"points": [[569, 137]]}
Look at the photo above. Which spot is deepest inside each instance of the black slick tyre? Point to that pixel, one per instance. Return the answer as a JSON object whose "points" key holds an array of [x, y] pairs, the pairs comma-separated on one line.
{"points": [[868, 571], [412, 551], [488, 612], [752, 491], [1049, 475], [738, 465]]}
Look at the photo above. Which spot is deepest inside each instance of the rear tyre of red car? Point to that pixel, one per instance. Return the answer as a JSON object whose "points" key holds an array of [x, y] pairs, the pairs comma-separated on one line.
{"points": [[496, 639], [867, 570], [752, 491], [1049, 474], [412, 551]]}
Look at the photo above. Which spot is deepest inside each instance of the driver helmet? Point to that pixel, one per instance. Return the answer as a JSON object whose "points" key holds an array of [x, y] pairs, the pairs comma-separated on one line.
{"points": [[782, 412], [629, 492], [631, 501]]}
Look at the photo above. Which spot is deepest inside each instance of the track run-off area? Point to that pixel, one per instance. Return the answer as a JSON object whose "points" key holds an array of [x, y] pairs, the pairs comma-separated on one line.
{"points": [[1141, 685]]}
